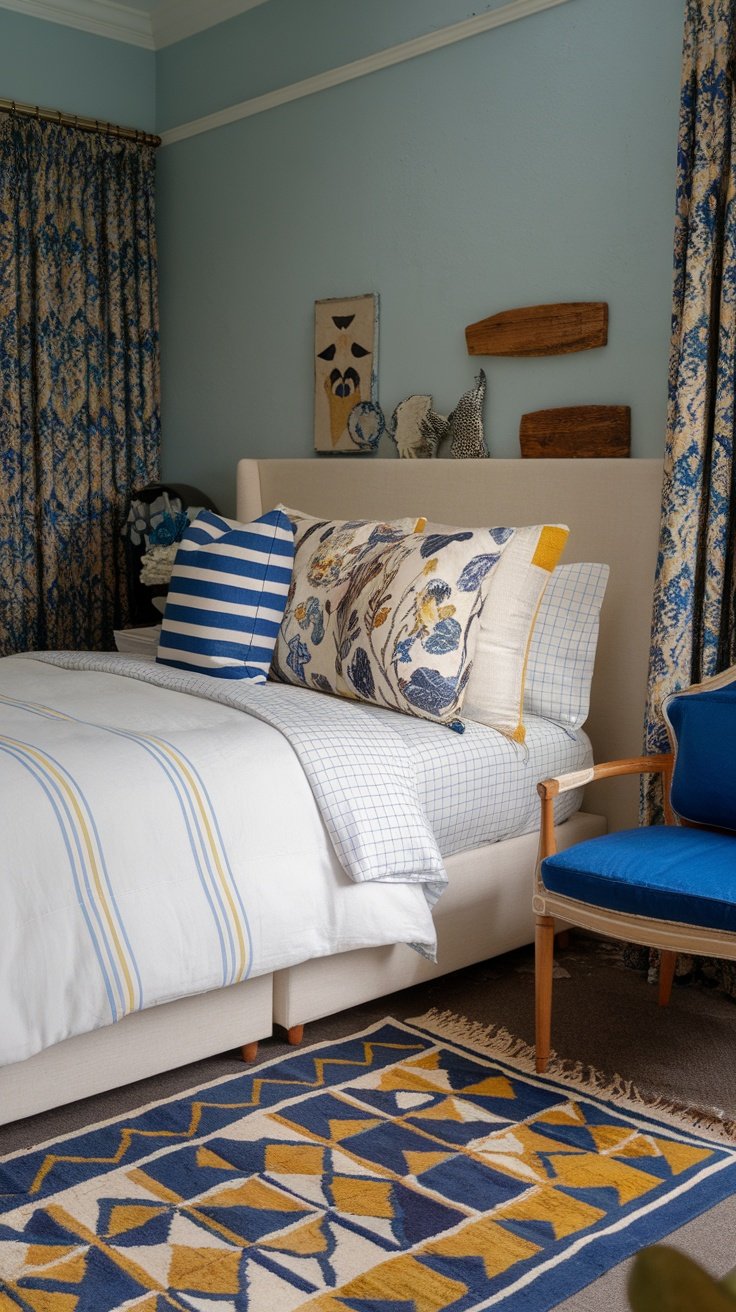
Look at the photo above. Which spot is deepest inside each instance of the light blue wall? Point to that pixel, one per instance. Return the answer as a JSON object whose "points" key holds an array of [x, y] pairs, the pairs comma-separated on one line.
{"points": [[61, 68], [533, 163]]}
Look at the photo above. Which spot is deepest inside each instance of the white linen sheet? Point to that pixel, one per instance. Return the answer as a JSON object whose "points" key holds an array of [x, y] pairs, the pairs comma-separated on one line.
{"points": [[172, 851]]}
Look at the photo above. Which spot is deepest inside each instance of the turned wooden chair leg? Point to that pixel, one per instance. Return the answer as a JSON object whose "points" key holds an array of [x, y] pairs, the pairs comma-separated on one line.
{"points": [[295, 1034], [544, 962], [667, 963], [249, 1051]]}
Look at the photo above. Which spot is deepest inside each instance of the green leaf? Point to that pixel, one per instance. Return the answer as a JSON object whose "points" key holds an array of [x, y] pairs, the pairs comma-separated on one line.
{"points": [[728, 1282], [665, 1280]]}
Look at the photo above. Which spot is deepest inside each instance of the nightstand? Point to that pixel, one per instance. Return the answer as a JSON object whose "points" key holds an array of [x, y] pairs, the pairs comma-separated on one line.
{"points": [[139, 642]]}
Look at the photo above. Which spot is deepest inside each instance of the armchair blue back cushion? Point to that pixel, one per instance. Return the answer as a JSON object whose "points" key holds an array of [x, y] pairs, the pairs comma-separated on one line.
{"points": [[671, 872], [703, 728]]}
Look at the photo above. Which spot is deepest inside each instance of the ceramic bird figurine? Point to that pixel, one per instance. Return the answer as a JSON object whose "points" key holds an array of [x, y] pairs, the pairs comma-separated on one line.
{"points": [[417, 429], [465, 424]]}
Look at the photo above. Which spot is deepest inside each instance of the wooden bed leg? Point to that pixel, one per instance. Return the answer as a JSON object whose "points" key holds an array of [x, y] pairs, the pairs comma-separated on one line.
{"points": [[667, 963], [249, 1051], [295, 1034], [543, 965], [562, 940]]}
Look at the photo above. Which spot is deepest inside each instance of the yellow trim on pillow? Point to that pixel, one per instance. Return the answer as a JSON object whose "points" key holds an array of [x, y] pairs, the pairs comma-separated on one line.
{"points": [[550, 546], [421, 524], [519, 734]]}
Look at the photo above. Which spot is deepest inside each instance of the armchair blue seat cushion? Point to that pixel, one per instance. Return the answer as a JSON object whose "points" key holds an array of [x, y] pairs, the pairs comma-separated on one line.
{"points": [[663, 872]]}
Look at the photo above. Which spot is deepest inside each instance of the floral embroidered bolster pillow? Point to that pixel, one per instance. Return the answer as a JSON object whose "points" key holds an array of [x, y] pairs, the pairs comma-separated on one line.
{"points": [[382, 614]]}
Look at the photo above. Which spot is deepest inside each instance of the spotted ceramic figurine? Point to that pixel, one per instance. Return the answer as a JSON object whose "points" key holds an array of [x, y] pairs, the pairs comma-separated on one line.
{"points": [[465, 424]]}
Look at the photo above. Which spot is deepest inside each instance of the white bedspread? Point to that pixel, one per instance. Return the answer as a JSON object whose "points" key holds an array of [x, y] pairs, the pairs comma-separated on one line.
{"points": [[158, 844]]}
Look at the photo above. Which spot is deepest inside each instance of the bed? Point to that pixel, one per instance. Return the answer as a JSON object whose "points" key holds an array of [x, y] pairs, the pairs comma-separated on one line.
{"points": [[345, 953]]}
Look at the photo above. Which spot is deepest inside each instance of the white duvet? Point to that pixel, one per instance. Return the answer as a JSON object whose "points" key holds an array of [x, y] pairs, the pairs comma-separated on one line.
{"points": [[154, 845]]}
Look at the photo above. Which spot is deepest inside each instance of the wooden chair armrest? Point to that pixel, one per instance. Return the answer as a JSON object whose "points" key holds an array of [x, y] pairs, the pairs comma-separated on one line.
{"points": [[563, 783], [549, 789]]}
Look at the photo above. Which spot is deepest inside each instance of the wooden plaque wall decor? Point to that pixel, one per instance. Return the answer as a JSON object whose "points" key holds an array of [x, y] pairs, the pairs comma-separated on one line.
{"points": [[579, 430], [541, 330], [345, 370]]}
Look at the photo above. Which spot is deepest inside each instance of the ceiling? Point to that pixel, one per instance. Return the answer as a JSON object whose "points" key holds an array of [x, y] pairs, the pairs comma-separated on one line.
{"points": [[148, 23]]}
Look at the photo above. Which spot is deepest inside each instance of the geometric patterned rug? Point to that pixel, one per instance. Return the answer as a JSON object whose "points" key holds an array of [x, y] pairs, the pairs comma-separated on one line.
{"points": [[403, 1169]]}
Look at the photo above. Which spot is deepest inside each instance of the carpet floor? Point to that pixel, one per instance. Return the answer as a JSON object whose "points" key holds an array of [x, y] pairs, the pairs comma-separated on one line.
{"points": [[604, 1016]]}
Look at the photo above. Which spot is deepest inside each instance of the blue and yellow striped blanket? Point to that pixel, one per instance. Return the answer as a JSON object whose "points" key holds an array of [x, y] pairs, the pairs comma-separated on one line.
{"points": [[164, 835]]}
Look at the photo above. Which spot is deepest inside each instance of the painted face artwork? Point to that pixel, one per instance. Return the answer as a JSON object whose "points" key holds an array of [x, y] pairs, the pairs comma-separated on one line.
{"points": [[345, 344]]}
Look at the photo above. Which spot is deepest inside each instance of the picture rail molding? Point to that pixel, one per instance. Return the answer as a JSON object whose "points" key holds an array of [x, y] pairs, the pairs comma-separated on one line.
{"points": [[333, 77]]}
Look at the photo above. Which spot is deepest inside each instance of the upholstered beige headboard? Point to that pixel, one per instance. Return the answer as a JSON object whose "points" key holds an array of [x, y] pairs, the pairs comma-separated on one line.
{"points": [[611, 507]]}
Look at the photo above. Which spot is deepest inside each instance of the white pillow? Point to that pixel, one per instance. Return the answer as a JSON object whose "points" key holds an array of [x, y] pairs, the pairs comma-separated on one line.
{"points": [[495, 690], [562, 654]]}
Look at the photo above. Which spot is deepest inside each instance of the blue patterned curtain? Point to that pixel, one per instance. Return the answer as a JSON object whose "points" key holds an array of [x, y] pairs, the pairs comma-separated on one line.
{"points": [[79, 376], [693, 631]]}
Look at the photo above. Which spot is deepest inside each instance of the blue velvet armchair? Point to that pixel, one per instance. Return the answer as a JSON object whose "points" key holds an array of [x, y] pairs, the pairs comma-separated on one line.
{"points": [[670, 886]]}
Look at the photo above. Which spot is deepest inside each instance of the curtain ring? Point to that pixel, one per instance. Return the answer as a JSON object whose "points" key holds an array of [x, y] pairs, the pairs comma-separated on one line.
{"points": [[12, 106], [58, 117], [38, 113]]}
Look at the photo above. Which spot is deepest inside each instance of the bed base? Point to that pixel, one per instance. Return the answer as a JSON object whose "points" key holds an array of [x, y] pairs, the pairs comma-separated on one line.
{"points": [[143, 1044], [485, 910]]}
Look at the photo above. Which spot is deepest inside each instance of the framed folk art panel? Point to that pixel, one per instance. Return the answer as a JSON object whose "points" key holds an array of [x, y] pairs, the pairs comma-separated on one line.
{"points": [[346, 415]]}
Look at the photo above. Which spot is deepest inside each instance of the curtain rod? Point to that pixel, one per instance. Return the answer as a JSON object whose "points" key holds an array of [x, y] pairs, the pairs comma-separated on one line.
{"points": [[79, 121]]}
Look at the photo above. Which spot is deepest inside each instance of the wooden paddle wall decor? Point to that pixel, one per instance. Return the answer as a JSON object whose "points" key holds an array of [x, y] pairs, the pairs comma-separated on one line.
{"points": [[578, 430], [541, 330]]}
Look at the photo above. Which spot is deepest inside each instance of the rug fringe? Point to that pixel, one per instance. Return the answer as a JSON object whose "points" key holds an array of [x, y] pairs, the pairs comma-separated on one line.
{"points": [[496, 1041]]}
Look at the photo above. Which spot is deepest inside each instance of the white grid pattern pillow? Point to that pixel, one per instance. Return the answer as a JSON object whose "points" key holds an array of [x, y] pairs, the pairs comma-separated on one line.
{"points": [[562, 653]]}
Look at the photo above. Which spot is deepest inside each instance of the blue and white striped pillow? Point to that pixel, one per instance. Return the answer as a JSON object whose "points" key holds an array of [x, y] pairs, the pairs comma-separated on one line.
{"points": [[227, 596]]}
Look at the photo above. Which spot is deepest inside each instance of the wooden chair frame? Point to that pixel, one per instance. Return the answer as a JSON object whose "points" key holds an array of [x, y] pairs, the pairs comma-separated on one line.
{"points": [[669, 936]]}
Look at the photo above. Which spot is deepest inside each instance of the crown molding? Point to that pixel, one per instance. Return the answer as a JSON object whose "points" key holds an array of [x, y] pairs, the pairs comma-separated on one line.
{"points": [[101, 17], [333, 77], [170, 21], [173, 20]]}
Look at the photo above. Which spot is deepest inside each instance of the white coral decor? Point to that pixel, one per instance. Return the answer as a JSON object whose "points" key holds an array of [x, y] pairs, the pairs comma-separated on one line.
{"points": [[157, 564]]}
